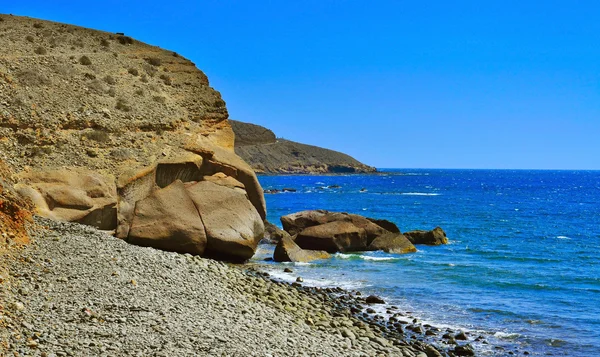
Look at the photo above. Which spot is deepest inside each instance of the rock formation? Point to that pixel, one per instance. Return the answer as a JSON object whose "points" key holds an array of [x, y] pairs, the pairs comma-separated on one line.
{"points": [[342, 232], [108, 131], [267, 154]]}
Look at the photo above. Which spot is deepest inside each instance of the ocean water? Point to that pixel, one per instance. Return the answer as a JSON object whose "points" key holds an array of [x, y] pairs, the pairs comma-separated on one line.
{"points": [[522, 267]]}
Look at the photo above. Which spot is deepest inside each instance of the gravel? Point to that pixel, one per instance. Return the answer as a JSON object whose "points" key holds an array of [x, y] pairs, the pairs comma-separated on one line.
{"points": [[76, 291]]}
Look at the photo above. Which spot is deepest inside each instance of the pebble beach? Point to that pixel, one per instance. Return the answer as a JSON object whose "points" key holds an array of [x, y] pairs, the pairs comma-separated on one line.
{"points": [[77, 291]]}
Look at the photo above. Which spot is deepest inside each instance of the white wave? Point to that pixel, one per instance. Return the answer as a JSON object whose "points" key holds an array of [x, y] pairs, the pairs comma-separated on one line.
{"points": [[563, 237], [366, 257], [506, 335], [419, 194], [319, 183]]}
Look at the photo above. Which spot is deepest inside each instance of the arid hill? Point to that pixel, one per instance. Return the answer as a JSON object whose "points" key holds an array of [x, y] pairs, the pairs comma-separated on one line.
{"points": [[266, 153], [105, 130]]}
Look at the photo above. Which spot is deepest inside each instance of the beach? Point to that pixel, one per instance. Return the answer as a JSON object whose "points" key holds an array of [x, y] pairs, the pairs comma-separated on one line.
{"points": [[77, 291]]}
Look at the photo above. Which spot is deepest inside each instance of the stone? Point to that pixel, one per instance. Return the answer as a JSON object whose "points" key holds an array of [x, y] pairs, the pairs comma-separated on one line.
{"points": [[333, 237], [233, 226], [392, 243], [288, 251], [465, 350], [373, 299], [435, 236], [168, 219]]}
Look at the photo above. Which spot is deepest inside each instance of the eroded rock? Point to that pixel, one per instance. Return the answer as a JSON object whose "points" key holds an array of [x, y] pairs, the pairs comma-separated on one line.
{"points": [[435, 236]]}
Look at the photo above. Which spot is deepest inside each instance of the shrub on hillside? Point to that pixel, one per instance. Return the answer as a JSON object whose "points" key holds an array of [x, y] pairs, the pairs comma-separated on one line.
{"points": [[154, 61], [110, 80], [124, 40], [123, 105], [133, 71], [40, 50], [84, 60]]}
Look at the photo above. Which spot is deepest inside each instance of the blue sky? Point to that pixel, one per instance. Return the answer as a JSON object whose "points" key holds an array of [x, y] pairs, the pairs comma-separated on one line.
{"points": [[438, 84]]}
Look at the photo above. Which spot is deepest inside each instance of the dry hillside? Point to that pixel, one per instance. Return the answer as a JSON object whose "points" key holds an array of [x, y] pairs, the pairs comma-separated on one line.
{"points": [[259, 147], [71, 96]]}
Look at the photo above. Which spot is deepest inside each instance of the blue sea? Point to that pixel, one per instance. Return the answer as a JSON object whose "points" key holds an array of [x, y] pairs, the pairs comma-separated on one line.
{"points": [[522, 267]]}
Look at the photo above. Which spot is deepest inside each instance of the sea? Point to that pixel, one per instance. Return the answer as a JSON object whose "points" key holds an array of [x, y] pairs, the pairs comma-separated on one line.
{"points": [[521, 269]]}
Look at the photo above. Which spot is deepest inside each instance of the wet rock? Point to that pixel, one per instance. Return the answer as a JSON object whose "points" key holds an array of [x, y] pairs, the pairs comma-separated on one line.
{"points": [[373, 299]]}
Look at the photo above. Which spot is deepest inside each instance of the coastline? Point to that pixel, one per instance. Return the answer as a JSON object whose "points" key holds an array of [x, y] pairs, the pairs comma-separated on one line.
{"points": [[78, 291]]}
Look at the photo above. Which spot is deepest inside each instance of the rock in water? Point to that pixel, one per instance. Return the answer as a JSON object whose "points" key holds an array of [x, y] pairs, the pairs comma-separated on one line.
{"points": [[373, 299], [168, 220], [233, 226], [288, 251], [436, 236], [392, 243], [294, 223], [333, 237]]}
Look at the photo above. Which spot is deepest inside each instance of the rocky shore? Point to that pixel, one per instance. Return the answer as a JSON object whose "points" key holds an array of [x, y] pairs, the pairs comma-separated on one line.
{"points": [[76, 291]]}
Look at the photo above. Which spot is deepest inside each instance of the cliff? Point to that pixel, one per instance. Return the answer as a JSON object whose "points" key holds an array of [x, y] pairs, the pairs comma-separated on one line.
{"points": [[266, 153], [104, 130]]}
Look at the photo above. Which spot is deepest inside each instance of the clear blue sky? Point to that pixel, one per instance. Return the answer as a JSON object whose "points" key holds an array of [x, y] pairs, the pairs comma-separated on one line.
{"points": [[437, 84]]}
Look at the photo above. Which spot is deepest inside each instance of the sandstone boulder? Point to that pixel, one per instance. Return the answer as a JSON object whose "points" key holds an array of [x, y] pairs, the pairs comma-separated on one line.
{"points": [[392, 243], [288, 251], [72, 195], [233, 226], [168, 219], [436, 236], [273, 234], [338, 236]]}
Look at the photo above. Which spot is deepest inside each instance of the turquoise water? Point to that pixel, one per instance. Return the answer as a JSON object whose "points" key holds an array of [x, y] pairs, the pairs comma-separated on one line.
{"points": [[522, 266]]}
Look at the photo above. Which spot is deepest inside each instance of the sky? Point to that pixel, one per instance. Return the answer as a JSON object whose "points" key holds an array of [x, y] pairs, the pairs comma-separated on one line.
{"points": [[406, 84]]}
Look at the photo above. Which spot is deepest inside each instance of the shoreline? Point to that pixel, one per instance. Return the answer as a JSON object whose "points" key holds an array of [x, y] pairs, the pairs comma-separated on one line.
{"points": [[394, 320], [78, 291]]}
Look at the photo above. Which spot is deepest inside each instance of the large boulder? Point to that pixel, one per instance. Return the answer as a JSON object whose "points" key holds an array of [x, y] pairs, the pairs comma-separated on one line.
{"points": [[338, 236], [233, 226], [435, 236], [288, 251], [296, 222], [274, 234], [392, 243], [132, 186], [168, 219], [79, 196]]}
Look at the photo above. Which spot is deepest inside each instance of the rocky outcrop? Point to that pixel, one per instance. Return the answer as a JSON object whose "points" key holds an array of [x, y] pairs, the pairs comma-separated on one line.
{"points": [[72, 195], [267, 154], [344, 232], [296, 222], [111, 132], [435, 236], [288, 251]]}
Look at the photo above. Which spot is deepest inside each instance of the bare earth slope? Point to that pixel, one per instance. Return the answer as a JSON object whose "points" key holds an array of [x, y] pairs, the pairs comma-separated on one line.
{"points": [[266, 154]]}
